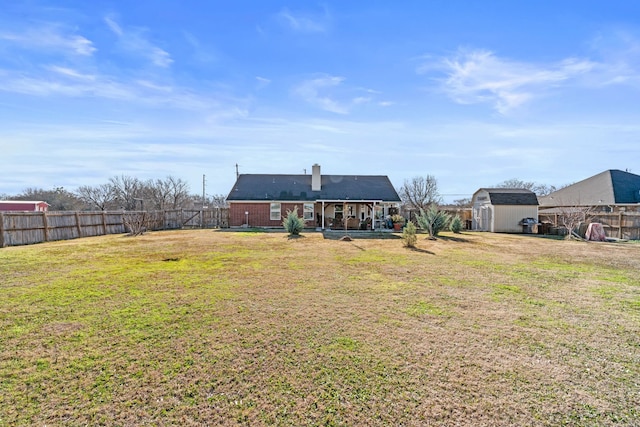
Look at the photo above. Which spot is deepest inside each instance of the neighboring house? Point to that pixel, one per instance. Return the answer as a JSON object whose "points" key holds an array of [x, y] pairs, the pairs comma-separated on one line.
{"points": [[501, 210], [609, 191], [324, 201], [23, 205]]}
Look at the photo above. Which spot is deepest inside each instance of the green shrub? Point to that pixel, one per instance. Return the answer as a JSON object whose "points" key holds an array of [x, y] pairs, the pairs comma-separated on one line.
{"points": [[397, 219], [456, 224], [293, 223], [409, 235], [433, 220]]}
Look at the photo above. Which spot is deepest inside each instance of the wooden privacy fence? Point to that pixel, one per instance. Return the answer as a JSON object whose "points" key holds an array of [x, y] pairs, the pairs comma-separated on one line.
{"points": [[24, 228], [621, 225]]}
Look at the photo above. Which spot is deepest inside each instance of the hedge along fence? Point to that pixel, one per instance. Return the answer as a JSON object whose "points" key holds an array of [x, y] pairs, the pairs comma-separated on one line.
{"points": [[24, 228]]}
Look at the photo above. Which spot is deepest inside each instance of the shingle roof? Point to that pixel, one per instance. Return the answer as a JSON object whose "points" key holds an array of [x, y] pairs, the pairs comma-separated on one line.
{"points": [[626, 186], [511, 196], [254, 187], [606, 188]]}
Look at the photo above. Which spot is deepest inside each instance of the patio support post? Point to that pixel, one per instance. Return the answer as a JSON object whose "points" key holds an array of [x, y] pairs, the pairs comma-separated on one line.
{"points": [[373, 216]]}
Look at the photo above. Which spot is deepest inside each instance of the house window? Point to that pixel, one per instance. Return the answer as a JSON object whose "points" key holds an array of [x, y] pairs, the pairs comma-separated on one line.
{"points": [[276, 210], [338, 210], [308, 211]]}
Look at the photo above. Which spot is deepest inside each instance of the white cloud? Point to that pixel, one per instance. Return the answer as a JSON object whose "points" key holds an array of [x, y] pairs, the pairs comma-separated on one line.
{"points": [[70, 72], [263, 82], [67, 82], [329, 93], [51, 38], [620, 53], [114, 26], [135, 42], [314, 92], [480, 76], [306, 23]]}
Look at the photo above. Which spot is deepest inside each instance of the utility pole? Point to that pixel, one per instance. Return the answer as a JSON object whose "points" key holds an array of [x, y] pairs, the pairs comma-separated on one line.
{"points": [[203, 184], [202, 211]]}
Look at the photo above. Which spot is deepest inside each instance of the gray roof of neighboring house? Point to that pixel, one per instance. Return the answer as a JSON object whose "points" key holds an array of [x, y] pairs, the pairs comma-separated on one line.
{"points": [[255, 187], [606, 188], [511, 196]]}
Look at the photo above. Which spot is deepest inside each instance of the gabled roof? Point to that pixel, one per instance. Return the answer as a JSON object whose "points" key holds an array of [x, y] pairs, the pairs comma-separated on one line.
{"points": [[256, 187], [510, 196], [610, 187]]}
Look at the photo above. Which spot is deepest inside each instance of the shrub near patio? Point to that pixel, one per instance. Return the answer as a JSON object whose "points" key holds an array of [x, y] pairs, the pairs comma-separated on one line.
{"points": [[218, 328]]}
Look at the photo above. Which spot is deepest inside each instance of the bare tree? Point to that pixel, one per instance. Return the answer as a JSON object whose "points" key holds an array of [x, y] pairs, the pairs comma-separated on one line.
{"points": [[572, 217], [128, 191], [218, 201], [179, 191], [135, 222], [463, 203], [168, 193], [101, 196], [157, 192], [420, 192], [539, 189]]}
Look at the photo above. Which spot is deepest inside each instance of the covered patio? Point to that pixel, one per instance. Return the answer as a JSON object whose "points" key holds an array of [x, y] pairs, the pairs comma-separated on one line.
{"points": [[333, 214]]}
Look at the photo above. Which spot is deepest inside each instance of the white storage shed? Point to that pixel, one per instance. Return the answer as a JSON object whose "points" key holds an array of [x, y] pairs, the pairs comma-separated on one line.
{"points": [[502, 210]]}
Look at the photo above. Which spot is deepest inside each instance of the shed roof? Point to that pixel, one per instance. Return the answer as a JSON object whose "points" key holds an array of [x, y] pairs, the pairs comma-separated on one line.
{"points": [[510, 196], [262, 187], [606, 188]]}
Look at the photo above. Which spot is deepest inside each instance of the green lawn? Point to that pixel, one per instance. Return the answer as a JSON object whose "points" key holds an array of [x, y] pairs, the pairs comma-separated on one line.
{"points": [[208, 327]]}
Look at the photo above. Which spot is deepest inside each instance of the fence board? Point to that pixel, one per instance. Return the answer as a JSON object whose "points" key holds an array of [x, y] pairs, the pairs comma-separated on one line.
{"points": [[1, 230], [621, 225], [24, 228]]}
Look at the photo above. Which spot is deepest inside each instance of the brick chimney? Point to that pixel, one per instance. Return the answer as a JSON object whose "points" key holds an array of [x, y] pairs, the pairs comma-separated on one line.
{"points": [[316, 179]]}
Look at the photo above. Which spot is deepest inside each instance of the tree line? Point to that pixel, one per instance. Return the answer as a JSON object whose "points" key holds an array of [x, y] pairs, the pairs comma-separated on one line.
{"points": [[130, 193], [123, 193]]}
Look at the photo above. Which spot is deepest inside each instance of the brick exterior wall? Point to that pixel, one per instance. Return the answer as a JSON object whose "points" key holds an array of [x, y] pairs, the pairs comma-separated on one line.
{"points": [[259, 214]]}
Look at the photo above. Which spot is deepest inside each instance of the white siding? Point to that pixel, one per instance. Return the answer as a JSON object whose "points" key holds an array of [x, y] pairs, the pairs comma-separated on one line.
{"points": [[506, 218], [482, 213], [499, 218]]}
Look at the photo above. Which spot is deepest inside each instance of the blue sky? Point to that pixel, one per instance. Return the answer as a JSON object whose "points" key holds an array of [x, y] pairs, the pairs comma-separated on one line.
{"points": [[473, 93]]}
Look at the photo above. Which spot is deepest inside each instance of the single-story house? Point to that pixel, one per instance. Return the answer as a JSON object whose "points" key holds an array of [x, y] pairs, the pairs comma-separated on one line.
{"points": [[324, 201], [23, 205], [502, 210], [609, 191]]}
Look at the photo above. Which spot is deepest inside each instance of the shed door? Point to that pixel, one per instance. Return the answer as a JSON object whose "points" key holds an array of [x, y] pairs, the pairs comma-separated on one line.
{"points": [[483, 219]]}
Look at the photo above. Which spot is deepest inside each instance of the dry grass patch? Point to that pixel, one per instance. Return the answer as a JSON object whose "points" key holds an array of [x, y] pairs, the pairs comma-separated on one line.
{"points": [[202, 327]]}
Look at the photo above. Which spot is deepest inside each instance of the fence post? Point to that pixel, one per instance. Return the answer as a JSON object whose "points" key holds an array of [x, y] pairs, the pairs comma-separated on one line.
{"points": [[1, 230], [46, 226], [104, 223], [620, 225], [78, 225]]}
